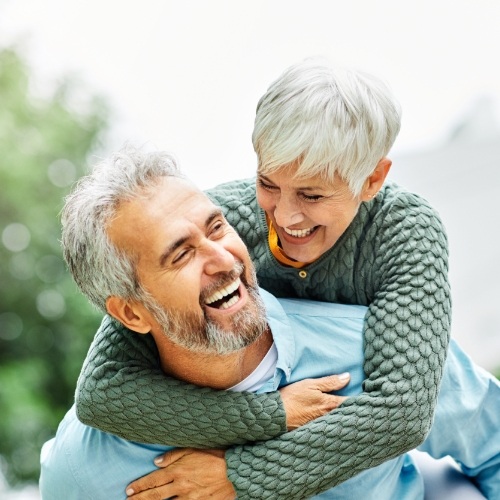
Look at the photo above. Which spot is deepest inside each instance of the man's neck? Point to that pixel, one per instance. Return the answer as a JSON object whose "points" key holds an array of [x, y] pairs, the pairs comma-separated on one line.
{"points": [[210, 370]]}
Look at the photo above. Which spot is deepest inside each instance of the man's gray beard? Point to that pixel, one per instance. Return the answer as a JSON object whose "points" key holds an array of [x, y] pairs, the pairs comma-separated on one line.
{"points": [[200, 334]]}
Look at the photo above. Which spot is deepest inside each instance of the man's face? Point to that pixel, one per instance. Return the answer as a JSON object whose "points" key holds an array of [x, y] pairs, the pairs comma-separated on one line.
{"points": [[201, 284]]}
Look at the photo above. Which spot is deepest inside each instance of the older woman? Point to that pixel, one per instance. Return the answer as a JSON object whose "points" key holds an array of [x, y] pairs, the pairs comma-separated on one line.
{"points": [[320, 222]]}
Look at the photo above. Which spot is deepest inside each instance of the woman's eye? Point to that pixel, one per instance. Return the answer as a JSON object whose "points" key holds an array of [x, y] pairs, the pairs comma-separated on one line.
{"points": [[311, 197], [264, 185]]}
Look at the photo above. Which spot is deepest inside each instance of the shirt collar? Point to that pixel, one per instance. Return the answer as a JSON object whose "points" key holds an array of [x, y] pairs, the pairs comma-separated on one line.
{"points": [[282, 335]]}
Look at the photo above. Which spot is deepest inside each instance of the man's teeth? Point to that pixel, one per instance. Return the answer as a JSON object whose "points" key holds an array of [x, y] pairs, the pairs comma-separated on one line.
{"points": [[299, 233], [230, 302], [224, 292]]}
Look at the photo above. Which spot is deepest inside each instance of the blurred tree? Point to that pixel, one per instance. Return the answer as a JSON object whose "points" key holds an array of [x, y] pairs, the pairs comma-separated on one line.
{"points": [[45, 324]]}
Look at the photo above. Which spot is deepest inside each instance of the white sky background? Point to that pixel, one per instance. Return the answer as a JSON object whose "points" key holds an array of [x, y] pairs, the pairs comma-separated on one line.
{"points": [[186, 75]]}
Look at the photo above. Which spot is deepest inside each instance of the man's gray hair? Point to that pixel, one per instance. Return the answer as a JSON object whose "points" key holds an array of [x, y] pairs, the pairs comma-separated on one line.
{"points": [[98, 267], [331, 120]]}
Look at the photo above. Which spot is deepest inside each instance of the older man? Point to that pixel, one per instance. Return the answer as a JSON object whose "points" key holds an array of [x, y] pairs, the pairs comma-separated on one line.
{"points": [[143, 243]]}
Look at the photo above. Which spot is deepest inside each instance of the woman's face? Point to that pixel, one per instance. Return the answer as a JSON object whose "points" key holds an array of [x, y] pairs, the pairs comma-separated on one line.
{"points": [[309, 215]]}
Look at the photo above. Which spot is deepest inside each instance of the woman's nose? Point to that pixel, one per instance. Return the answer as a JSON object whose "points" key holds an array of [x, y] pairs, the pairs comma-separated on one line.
{"points": [[287, 212]]}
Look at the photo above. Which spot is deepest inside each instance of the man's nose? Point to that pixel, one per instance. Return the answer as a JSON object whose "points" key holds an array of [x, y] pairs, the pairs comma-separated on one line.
{"points": [[218, 257], [287, 211]]}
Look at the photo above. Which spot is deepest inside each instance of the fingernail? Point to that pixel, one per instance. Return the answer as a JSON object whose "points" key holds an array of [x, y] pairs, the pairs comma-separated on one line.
{"points": [[158, 460], [344, 376], [129, 492]]}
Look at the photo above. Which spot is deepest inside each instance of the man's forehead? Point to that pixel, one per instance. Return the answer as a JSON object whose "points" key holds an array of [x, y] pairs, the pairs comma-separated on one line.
{"points": [[170, 204], [172, 187], [182, 200]]}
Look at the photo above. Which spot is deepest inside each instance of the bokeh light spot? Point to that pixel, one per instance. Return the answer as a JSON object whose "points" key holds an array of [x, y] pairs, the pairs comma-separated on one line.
{"points": [[22, 266], [11, 326], [16, 237], [62, 173], [50, 304], [50, 268]]}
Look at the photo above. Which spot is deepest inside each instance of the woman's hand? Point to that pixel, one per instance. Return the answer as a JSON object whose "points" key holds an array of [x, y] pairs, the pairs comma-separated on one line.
{"points": [[192, 474], [309, 399], [185, 474]]}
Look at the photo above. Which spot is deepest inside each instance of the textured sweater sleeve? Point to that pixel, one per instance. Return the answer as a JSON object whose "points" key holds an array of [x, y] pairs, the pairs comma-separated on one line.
{"points": [[406, 338], [122, 390]]}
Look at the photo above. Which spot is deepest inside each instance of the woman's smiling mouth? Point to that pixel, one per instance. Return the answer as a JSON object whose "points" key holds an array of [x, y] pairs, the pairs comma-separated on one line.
{"points": [[300, 233]]}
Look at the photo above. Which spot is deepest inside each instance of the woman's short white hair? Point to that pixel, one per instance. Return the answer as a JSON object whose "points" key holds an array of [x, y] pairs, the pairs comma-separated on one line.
{"points": [[329, 120], [98, 267]]}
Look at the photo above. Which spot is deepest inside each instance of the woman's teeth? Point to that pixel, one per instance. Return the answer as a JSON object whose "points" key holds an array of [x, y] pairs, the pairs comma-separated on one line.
{"points": [[299, 233]]}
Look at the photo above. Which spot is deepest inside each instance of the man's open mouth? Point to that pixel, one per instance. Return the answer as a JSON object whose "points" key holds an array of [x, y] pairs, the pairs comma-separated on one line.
{"points": [[225, 297]]}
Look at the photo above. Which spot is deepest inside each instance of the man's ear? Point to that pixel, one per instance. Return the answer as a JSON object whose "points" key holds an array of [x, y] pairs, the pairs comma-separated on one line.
{"points": [[377, 178], [129, 314]]}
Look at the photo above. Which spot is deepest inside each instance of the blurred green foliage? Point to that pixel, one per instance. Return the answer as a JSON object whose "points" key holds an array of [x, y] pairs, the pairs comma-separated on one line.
{"points": [[45, 324]]}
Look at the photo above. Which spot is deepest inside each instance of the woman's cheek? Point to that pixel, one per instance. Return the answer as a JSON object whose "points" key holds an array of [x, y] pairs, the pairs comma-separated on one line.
{"points": [[264, 200]]}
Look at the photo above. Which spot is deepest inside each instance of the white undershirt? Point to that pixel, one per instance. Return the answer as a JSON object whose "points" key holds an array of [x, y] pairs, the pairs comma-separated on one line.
{"points": [[261, 374]]}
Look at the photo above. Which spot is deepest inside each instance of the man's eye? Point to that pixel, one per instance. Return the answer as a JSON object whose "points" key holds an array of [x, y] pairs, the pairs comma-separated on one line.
{"points": [[180, 256], [217, 230]]}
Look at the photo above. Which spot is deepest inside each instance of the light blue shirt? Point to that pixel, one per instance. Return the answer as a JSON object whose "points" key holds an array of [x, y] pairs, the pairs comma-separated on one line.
{"points": [[312, 339]]}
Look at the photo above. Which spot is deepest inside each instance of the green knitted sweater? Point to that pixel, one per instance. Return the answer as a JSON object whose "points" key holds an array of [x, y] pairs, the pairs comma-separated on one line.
{"points": [[392, 258]]}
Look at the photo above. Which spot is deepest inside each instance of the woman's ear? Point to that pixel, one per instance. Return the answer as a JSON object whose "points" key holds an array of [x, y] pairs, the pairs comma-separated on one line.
{"points": [[130, 314], [376, 180]]}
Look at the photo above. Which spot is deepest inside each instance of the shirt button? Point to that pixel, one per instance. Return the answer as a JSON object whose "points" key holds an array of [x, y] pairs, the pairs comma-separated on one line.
{"points": [[303, 274]]}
